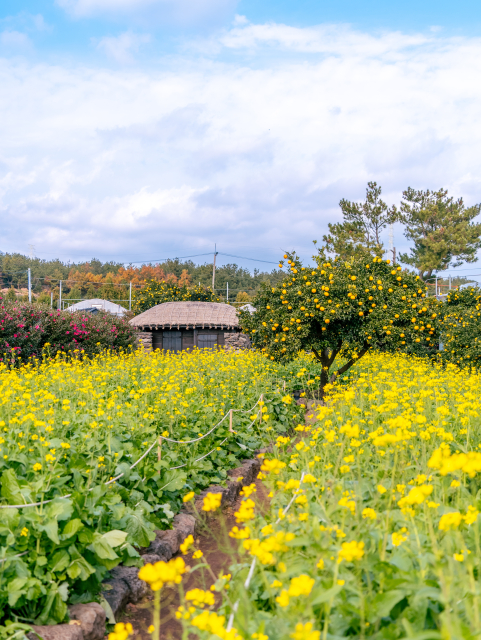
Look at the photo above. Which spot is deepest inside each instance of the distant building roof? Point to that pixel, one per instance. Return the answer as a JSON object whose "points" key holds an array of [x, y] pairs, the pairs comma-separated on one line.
{"points": [[204, 315], [97, 304]]}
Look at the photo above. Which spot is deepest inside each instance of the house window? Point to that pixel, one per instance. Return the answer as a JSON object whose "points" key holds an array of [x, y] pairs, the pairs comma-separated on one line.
{"points": [[207, 341], [172, 341]]}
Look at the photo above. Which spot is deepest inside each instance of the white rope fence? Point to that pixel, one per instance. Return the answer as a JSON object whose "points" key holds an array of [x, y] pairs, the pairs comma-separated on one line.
{"points": [[155, 443], [253, 564]]}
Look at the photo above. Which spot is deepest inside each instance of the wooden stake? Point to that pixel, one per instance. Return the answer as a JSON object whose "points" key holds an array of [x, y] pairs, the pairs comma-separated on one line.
{"points": [[230, 422], [159, 452]]}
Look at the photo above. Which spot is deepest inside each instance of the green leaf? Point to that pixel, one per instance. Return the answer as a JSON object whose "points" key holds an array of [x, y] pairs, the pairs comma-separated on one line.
{"points": [[60, 509], [324, 595], [108, 610], [383, 603], [115, 537], [71, 528], [16, 589], [60, 561], [51, 529], [174, 480], [138, 529], [80, 568], [102, 548], [9, 518], [11, 488]]}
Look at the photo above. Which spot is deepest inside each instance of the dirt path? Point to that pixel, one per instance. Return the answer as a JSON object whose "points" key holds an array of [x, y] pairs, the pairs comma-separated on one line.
{"points": [[219, 551]]}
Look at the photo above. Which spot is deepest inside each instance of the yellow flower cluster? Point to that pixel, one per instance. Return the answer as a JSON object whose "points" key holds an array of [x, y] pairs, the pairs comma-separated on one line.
{"points": [[160, 573], [215, 624], [200, 598], [212, 502], [121, 631]]}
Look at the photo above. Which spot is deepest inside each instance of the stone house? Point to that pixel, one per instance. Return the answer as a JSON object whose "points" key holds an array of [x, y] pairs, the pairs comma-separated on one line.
{"points": [[179, 326]]}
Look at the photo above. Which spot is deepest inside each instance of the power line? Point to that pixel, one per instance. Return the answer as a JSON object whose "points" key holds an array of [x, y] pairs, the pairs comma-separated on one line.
{"points": [[244, 258]]}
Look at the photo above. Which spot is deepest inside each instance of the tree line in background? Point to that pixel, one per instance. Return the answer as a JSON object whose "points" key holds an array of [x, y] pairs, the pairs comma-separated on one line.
{"points": [[110, 280]]}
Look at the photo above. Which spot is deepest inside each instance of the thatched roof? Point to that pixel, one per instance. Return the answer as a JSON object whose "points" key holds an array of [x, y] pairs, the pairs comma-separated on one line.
{"points": [[188, 315]]}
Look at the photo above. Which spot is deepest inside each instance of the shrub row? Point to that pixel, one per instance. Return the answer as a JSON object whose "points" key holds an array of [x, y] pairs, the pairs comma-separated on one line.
{"points": [[26, 330]]}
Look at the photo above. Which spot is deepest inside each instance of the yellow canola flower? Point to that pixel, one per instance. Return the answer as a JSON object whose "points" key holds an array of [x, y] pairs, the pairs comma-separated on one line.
{"points": [[239, 534], [272, 466], [417, 495], [398, 537], [305, 632], [450, 521], [351, 551], [121, 631], [246, 511], [249, 490], [188, 542], [469, 463], [200, 598], [264, 550], [160, 573], [213, 623], [301, 586], [369, 513], [188, 496], [212, 501]]}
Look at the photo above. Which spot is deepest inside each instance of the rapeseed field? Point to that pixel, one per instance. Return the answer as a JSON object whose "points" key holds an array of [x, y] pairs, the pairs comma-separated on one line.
{"points": [[373, 525]]}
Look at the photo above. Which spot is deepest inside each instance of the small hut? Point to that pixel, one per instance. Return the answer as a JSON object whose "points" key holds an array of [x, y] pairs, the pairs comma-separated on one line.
{"points": [[176, 326]]}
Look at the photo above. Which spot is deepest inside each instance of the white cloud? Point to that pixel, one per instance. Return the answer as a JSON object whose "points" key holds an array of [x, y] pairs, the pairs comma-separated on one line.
{"points": [[252, 152], [121, 48], [146, 11], [14, 40]]}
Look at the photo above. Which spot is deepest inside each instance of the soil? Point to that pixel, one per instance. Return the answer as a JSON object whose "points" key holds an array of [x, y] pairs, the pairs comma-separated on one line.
{"points": [[219, 551]]}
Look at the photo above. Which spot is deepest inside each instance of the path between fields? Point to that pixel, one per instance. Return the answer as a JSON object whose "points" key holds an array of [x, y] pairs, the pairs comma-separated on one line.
{"points": [[219, 550]]}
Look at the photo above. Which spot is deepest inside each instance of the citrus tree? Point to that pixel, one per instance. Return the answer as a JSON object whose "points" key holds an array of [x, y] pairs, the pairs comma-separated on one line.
{"points": [[340, 309], [156, 292], [461, 327]]}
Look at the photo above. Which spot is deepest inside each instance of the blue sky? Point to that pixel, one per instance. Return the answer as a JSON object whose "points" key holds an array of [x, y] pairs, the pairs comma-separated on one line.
{"points": [[136, 129]]}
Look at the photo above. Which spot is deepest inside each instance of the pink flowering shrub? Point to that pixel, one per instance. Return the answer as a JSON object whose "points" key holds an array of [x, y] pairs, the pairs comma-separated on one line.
{"points": [[28, 330]]}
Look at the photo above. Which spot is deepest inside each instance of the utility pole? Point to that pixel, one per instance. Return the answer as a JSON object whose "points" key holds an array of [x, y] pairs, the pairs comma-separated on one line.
{"points": [[51, 299], [227, 293], [29, 285], [213, 270], [60, 296], [436, 287], [130, 296], [391, 243]]}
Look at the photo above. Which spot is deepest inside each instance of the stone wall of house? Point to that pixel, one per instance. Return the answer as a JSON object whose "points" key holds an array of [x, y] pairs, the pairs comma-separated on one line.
{"points": [[144, 338], [237, 341]]}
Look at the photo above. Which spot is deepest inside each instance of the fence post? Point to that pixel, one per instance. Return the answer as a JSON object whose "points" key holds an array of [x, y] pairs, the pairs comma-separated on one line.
{"points": [[60, 296], [29, 285], [227, 293], [261, 403], [159, 452], [130, 296], [230, 422], [51, 299]]}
